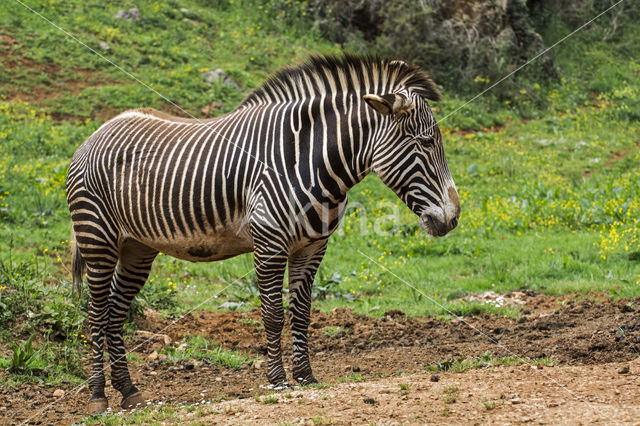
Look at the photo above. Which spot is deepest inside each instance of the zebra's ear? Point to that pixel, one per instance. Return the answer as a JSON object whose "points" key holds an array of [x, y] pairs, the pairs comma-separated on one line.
{"points": [[390, 104]]}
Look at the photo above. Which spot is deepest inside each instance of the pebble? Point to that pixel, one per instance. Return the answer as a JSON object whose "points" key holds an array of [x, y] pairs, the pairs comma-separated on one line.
{"points": [[624, 370], [435, 378], [515, 401], [58, 393], [368, 400], [258, 364], [153, 356]]}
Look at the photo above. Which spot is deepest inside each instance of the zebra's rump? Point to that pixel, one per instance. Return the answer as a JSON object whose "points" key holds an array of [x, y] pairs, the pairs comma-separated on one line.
{"points": [[172, 185]]}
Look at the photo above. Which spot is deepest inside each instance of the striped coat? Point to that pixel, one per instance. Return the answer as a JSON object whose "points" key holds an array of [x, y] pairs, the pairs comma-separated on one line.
{"points": [[270, 177]]}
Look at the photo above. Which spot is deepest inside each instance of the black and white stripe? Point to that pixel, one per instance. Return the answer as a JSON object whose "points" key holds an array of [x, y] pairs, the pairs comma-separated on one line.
{"points": [[270, 177]]}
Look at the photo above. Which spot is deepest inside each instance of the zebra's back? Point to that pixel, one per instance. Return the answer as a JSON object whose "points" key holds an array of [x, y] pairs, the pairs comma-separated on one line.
{"points": [[177, 185]]}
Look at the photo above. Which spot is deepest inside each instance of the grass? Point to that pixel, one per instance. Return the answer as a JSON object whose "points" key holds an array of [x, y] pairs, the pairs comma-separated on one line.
{"points": [[450, 394], [332, 331], [404, 388], [549, 204], [352, 378], [486, 360], [203, 349]]}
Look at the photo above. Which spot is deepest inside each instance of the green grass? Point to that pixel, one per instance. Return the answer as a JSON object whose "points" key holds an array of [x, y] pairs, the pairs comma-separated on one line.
{"points": [[550, 203], [485, 360], [201, 348]]}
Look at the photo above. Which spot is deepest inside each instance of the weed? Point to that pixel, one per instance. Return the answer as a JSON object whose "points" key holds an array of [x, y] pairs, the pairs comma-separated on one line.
{"points": [[404, 388], [321, 420], [201, 348], [252, 322], [271, 399], [485, 360], [450, 394], [489, 404], [333, 331], [25, 359], [355, 378]]}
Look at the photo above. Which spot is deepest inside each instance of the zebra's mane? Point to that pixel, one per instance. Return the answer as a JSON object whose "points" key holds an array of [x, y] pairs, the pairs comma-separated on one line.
{"points": [[346, 72]]}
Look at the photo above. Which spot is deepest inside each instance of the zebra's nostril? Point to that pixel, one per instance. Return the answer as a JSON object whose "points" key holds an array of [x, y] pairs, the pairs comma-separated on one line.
{"points": [[454, 222]]}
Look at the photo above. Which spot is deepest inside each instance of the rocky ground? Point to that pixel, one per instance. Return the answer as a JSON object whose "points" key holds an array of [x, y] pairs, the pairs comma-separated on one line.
{"points": [[594, 373]]}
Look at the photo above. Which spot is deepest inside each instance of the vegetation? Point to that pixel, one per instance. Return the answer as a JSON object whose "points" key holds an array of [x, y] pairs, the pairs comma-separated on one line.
{"points": [[484, 361], [200, 348], [550, 203]]}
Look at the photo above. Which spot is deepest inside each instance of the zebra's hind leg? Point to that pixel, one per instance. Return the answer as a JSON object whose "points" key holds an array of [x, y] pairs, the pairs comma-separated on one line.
{"points": [[99, 274], [302, 270], [131, 274], [99, 253], [270, 270]]}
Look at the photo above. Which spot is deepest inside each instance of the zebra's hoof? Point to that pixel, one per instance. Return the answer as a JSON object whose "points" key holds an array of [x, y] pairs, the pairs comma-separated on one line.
{"points": [[305, 379], [97, 405], [132, 401]]}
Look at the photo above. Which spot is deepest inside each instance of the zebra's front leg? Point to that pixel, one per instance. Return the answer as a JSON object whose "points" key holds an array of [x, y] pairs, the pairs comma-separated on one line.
{"points": [[131, 274], [270, 271], [302, 270]]}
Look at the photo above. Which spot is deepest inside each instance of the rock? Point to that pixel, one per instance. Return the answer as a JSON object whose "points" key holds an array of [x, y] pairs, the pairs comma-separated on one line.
{"points": [[162, 357], [624, 370], [182, 347], [189, 366], [104, 46], [232, 306], [355, 369], [515, 401], [218, 379], [368, 400], [434, 378], [258, 364], [219, 76], [58, 393], [161, 339], [128, 15], [153, 356]]}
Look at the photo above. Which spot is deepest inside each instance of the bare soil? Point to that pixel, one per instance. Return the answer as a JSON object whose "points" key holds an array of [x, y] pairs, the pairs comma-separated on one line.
{"points": [[592, 342]]}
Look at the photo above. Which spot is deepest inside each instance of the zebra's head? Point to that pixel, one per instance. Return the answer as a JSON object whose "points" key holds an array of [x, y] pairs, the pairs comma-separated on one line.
{"points": [[410, 159]]}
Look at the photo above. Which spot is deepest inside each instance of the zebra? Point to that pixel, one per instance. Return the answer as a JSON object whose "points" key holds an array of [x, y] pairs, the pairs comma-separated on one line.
{"points": [[270, 177]]}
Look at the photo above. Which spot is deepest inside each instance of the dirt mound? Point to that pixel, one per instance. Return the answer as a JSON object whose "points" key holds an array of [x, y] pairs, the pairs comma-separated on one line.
{"points": [[342, 342]]}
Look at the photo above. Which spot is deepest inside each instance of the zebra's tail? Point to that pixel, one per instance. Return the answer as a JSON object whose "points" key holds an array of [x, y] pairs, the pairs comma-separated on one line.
{"points": [[77, 266]]}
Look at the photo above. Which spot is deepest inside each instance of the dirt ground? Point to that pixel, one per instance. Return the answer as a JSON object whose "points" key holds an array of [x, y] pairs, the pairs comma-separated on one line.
{"points": [[595, 346]]}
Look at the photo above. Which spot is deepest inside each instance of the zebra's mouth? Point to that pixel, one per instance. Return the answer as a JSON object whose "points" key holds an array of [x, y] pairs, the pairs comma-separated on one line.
{"points": [[434, 225]]}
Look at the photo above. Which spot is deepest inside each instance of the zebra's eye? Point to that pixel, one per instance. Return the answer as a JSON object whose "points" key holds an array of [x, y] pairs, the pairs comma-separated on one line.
{"points": [[428, 142]]}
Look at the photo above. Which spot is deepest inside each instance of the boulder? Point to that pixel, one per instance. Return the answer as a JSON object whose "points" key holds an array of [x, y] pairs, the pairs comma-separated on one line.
{"points": [[128, 15]]}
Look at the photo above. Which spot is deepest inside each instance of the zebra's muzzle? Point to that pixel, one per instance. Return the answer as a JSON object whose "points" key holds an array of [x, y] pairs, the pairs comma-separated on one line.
{"points": [[435, 222]]}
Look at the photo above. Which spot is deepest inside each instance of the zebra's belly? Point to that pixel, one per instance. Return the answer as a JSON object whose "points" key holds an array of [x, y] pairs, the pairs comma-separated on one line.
{"points": [[204, 248]]}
